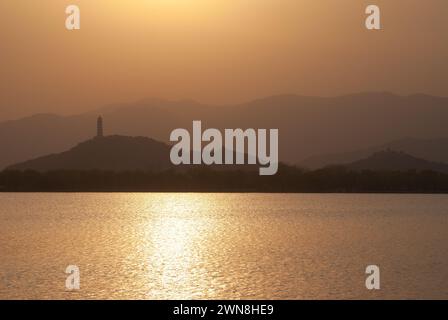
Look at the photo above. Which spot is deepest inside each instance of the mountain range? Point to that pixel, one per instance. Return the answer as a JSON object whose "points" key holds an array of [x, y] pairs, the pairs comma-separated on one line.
{"points": [[121, 153], [340, 128], [430, 149], [389, 160]]}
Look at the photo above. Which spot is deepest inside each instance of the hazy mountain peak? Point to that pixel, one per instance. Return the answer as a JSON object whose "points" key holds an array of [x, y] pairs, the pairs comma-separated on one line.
{"points": [[390, 160]]}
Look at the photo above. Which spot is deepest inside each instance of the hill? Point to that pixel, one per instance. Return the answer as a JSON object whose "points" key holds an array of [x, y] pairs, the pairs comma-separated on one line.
{"points": [[430, 149], [115, 153], [396, 161]]}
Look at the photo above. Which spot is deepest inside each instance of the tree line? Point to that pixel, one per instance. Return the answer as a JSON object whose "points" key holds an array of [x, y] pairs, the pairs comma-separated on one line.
{"points": [[288, 179]]}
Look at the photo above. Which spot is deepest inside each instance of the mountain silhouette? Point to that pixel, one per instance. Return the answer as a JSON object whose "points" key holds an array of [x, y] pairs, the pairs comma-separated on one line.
{"points": [[430, 149], [115, 153], [307, 125], [118, 153], [389, 160]]}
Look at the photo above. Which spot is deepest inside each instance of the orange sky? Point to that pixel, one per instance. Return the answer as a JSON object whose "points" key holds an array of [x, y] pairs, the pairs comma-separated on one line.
{"points": [[214, 51]]}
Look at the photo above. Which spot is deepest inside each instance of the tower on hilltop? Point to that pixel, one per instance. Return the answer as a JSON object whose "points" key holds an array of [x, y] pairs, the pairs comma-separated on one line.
{"points": [[99, 127]]}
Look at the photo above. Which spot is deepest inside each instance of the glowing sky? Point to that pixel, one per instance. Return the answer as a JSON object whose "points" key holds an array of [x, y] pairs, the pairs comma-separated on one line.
{"points": [[215, 51]]}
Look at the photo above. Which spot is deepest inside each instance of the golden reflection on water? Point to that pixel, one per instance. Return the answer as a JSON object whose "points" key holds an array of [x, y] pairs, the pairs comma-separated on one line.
{"points": [[173, 238]]}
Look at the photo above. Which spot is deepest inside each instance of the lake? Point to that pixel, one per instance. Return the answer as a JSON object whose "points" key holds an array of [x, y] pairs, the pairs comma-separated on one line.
{"points": [[223, 246]]}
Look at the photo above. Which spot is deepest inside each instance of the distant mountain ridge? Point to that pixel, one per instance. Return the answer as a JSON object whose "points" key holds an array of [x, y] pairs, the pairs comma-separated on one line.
{"points": [[307, 125], [430, 149], [389, 160]]}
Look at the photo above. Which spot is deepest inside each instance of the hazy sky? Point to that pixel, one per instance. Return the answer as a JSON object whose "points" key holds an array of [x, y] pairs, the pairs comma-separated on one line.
{"points": [[215, 51]]}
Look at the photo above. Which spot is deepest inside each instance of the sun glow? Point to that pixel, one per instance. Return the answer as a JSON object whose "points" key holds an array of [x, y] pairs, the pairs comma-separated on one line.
{"points": [[168, 7]]}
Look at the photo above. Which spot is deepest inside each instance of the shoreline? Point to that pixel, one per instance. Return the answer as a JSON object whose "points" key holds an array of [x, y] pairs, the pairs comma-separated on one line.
{"points": [[225, 192]]}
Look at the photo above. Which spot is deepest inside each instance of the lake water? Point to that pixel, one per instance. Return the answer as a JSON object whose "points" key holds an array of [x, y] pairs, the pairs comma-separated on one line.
{"points": [[223, 246]]}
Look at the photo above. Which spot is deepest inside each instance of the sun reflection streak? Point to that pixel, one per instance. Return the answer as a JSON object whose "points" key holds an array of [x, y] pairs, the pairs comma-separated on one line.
{"points": [[173, 245]]}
